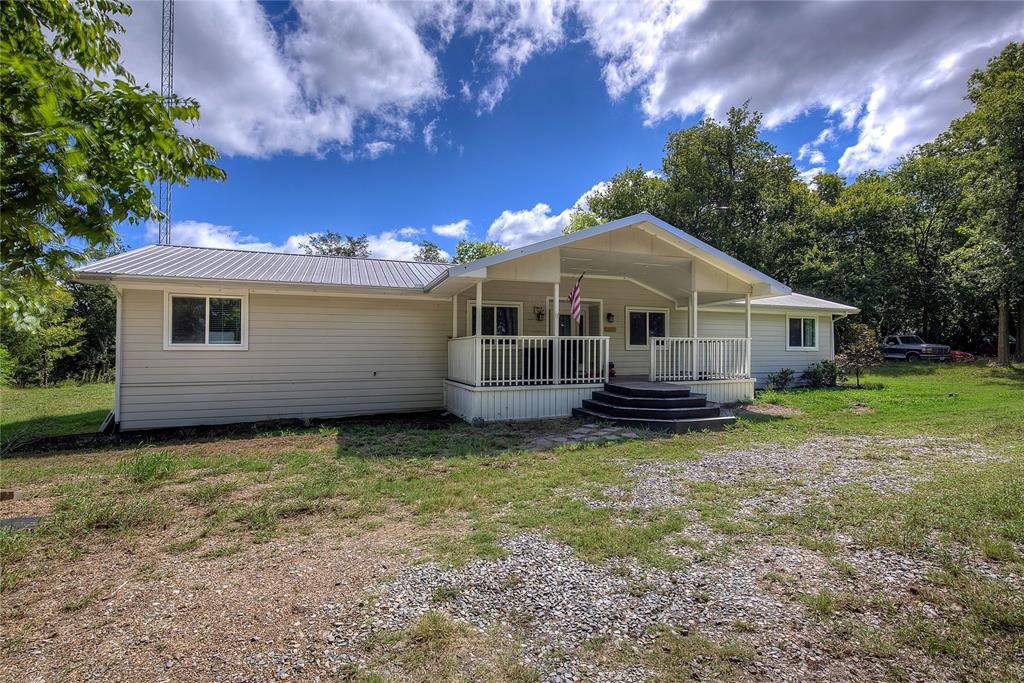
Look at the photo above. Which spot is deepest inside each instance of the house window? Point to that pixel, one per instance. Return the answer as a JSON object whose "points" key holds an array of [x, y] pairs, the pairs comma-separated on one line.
{"points": [[803, 334], [500, 320], [200, 321], [642, 324]]}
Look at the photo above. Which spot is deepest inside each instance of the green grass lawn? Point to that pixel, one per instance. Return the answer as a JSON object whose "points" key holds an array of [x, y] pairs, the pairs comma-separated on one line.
{"points": [[468, 486], [54, 411]]}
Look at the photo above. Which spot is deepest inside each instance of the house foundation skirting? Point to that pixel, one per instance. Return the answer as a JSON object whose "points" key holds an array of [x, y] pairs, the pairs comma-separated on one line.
{"points": [[722, 390], [497, 404], [490, 404]]}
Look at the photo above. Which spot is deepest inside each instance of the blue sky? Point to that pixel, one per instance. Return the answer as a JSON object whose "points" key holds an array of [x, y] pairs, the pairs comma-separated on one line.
{"points": [[492, 121]]}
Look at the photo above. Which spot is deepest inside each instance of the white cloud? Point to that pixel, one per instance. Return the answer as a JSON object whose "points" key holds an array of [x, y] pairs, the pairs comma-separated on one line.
{"points": [[202, 234], [300, 89], [810, 174], [429, 131], [375, 149], [516, 228], [386, 245], [894, 72], [456, 230], [334, 77], [511, 33]]}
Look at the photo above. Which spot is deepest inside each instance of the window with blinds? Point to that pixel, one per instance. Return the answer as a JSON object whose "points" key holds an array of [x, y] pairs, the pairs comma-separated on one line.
{"points": [[803, 334], [200, 321]]}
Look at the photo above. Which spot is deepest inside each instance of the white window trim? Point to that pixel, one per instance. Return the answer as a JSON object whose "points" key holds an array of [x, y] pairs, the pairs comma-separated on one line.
{"points": [[565, 299], [470, 303], [817, 332], [168, 346], [643, 309]]}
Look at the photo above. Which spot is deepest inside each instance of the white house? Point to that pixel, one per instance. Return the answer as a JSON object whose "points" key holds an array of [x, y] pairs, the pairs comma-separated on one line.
{"points": [[215, 336]]}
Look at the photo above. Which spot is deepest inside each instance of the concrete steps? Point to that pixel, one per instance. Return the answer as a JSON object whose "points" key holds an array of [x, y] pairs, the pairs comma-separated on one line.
{"points": [[650, 405]]}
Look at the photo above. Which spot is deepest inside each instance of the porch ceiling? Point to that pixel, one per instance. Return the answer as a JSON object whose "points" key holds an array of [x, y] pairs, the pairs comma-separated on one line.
{"points": [[670, 275]]}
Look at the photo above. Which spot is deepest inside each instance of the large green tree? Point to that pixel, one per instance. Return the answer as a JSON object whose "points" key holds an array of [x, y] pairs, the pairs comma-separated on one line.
{"points": [[331, 243], [81, 143], [37, 352], [469, 250], [988, 143], [932, 213], [430, 253], [731, 188]]}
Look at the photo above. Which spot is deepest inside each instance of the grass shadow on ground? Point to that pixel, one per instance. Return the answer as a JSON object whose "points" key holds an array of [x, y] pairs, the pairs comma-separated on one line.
{"points": [[29, 414], [27, 431]]}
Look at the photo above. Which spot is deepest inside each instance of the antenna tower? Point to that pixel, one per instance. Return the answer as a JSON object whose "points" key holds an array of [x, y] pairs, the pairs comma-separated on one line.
{"points": [[163, 192]]}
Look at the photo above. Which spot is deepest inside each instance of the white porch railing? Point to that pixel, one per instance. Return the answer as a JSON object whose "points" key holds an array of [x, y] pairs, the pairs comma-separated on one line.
{"points": [[498, 361], [681, 359]]}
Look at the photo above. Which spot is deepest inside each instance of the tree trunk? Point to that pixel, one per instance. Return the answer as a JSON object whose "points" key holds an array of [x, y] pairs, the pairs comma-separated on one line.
{"points": [[1020, 327], [1003, 343]]}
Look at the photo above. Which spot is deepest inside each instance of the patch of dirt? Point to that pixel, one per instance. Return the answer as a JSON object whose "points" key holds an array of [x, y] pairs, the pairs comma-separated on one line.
{"points": [[128, 610], [861, 409], [770, 409], [26, 504]]}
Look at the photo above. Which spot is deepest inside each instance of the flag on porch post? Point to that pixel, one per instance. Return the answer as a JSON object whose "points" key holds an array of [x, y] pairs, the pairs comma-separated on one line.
{"points": [[574, 299]]}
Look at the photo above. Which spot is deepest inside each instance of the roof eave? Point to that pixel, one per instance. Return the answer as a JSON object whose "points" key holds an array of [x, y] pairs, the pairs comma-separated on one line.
{"points": [[177, 281]]}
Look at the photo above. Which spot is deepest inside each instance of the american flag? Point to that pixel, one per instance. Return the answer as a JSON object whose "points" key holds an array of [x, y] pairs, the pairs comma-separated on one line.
{"points": [[574, 300]]}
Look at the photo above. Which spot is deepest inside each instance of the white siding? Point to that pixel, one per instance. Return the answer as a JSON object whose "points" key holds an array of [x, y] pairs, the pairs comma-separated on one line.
{"points": [[309, 356], [616, 295], [490, 404], [768, 352], [723, 390]]}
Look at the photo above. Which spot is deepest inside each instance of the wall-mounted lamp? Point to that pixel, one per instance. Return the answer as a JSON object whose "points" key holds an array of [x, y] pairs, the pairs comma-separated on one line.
{"points": [[538, 312], [610, 317]]}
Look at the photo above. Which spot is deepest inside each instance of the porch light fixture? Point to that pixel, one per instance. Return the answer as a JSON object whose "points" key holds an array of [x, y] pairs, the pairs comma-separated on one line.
{"points": [[610, 317], [538, 312]]}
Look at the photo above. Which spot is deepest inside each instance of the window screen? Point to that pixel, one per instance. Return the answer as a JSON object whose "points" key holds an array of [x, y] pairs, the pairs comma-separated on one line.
{"points": [[810, 330], [225, 321], [656, 324]]}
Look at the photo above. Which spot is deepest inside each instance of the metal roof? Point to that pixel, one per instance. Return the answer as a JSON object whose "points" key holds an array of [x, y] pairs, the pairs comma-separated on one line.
{"points": [[801, 301], [204, 263]]}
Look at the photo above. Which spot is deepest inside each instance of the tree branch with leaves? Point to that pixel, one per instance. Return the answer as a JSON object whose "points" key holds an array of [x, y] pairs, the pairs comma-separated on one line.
{"points": [[81, 143]]}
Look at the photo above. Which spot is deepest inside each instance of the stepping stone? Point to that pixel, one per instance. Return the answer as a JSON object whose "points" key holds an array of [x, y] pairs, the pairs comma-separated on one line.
{"points": [[18, 523]]}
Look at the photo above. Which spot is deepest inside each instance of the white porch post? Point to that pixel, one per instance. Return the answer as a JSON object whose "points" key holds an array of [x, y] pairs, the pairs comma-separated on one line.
{"points": [[556, 365], [748, 334], [455, 316], [693, 333], [479, 317]]}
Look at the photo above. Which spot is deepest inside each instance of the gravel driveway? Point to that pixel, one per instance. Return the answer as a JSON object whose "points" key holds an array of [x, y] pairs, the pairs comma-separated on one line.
{"points": [[579, 621]]}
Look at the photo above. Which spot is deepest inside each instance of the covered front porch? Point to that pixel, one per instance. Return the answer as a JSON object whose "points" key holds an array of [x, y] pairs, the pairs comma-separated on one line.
{"points": [[517, 352]]}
